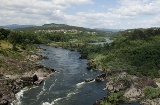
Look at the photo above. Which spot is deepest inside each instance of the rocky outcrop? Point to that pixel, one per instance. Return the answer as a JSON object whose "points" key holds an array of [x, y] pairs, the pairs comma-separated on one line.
{"points": [[18, 73], [29, 80], [83, 56], [33, 74], [89, 68], [133, 94], [97, 102], [118, 85], [101, 77], [150, 102], [131, 85]]}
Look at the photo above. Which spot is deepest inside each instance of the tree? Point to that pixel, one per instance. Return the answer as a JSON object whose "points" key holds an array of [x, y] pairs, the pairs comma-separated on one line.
{"points": [[138, 34], [1, 36], [4, 32]]}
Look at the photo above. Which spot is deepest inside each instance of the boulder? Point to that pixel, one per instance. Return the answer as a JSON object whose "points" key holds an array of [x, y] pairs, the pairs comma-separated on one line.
{"points": [[89, 80], [83, 57], [89, 68], [97, 102], [152, 83], [133, 93], [101, 77], [123, 85], [1, 95], [53, 70], [34, 78], [4, 102], [1, 75], [38, 82]]}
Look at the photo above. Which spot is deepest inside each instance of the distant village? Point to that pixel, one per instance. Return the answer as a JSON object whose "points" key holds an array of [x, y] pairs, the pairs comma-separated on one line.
{"points": [[63, 31]]}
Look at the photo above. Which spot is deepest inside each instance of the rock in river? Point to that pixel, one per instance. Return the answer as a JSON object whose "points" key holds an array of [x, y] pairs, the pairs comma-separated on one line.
{"points": [[89, 80]]}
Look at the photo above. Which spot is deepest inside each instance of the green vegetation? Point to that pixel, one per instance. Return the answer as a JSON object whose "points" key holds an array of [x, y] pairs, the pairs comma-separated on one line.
{"points": [[135, 51], [113, 99], [4, 44], [52, 26], [151, 92]]}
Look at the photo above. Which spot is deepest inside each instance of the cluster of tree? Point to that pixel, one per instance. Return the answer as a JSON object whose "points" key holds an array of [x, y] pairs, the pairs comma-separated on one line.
{"points": [[24, 38], [56, 37], [143, 34], [19, 38], [139, 49], [136, 51], [4, 33]]}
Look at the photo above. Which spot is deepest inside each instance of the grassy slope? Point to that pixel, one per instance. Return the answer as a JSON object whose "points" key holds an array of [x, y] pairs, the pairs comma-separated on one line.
{"points": [[4, 44]]}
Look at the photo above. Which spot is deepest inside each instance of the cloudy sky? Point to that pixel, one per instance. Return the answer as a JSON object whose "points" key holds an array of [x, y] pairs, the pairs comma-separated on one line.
{"points": [[113, 14]]}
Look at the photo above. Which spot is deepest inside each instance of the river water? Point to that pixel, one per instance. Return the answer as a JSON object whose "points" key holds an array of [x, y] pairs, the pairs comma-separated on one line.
{"points": [[66, 87], [107, 41]]}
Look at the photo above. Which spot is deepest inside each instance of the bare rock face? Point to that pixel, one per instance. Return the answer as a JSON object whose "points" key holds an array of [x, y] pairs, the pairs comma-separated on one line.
{"points": [[109, 86], [118, 85], [119, 82], [133, 93]]}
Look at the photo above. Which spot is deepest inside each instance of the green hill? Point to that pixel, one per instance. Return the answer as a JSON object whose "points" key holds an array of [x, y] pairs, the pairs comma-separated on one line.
{"points": [[54, 26]]}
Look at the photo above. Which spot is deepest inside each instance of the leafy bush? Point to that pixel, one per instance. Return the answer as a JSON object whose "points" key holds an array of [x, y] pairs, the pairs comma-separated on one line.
{"points": [[115, 98], [151, 92]]}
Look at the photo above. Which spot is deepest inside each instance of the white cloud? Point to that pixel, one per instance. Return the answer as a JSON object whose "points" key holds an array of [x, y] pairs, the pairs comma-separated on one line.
{"points": [[138, 7], [30, 11], [68, 2], [126, 14]]}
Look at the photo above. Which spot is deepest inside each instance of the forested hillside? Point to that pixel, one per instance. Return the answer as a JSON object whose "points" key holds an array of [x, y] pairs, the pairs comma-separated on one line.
{"points": [[137, 52]]}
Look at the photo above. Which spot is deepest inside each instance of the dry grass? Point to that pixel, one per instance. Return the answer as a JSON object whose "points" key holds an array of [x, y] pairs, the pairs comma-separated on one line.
{"points": [[5, 44]]}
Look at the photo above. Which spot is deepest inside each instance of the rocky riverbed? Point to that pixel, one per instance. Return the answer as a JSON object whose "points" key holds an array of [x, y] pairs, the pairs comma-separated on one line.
{"points": [[131, 87], [16, 74]]}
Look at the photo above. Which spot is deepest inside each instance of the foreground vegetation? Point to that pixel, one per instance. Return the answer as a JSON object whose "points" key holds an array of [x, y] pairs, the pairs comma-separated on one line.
{"points": [[135, 52]]}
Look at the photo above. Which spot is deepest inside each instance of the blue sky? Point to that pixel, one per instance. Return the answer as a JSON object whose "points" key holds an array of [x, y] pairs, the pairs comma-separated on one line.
{"points": [[112, 14], [97, 6]]}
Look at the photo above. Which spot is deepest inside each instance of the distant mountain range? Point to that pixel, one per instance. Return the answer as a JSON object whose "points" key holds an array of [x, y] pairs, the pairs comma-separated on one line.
{"points": [[15, 26]]}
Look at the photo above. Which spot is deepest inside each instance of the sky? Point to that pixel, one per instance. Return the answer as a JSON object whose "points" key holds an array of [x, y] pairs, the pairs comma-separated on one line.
{"points": [[109, 14]]}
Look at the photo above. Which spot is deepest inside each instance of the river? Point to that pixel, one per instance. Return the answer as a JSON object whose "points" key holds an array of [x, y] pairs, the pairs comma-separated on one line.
{"points": [[105, 42], [66, 87]]}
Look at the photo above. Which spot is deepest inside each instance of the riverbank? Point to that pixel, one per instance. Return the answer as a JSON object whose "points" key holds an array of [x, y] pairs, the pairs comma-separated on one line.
{"points": [[15, 74], [126, 88]]}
